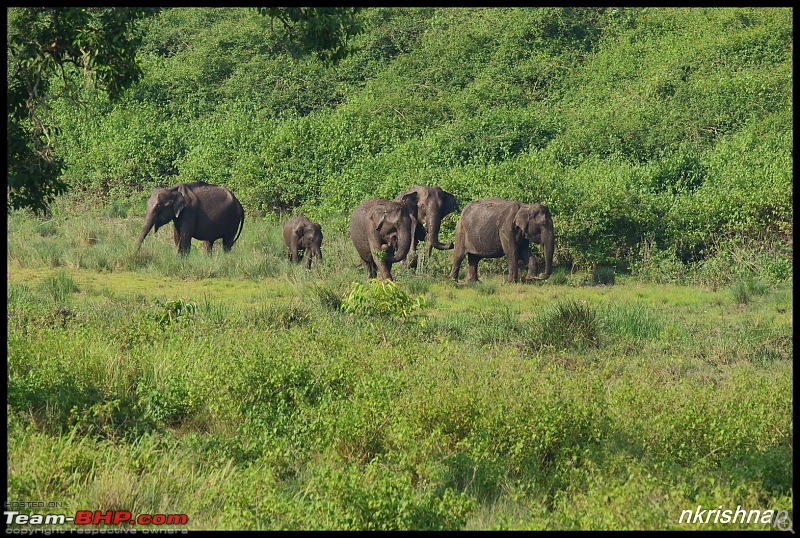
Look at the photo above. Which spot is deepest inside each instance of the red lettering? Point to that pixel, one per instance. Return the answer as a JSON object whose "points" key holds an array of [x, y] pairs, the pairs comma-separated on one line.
{"points": [[121, 517], [83, 517], [100, 517]]}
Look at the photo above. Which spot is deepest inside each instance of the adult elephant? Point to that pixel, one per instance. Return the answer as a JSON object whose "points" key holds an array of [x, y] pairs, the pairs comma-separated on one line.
{"points": [[494, 227], [381, 231], [433, 205], [300, 233], [199, 210]]}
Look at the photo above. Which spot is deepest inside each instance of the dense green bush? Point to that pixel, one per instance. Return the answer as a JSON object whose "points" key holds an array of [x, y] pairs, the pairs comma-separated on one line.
{"points": [[633, 124]]}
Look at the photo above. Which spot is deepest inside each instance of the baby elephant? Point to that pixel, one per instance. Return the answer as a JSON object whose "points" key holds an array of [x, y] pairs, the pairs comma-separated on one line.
{"points": [[299, 233]]}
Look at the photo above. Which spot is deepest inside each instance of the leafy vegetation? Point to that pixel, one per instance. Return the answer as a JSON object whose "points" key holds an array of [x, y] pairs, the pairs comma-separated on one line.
{"points": [[637, 126], [650, 374], [239, 390]]}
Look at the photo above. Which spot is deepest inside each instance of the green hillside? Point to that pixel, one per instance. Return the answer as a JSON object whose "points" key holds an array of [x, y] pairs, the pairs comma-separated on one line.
{"points": [[660, 132]]}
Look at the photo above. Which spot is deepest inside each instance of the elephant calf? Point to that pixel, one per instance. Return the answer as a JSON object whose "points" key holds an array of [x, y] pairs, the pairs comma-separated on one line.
{"points": [[493, 228], [198, 210], [300, 233]]}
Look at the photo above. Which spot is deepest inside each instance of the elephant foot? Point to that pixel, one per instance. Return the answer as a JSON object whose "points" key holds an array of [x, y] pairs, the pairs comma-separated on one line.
{"points": [[413, 262]]}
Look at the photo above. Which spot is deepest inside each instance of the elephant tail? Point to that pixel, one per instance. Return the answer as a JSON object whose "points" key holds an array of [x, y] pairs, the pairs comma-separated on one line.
{"points": [[241, 226]]}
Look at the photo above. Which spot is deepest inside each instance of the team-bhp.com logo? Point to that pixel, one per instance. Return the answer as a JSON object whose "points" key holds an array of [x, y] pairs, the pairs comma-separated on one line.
{"points": [[95, 517]]}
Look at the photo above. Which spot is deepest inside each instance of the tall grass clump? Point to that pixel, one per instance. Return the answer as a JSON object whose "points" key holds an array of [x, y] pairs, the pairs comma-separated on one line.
{"points": [[603, 275], [747, 287], [633, 321], [569, 324], [59, 286]]}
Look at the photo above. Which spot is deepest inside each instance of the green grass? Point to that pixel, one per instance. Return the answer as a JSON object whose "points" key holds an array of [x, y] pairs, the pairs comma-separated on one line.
{"points": [[235, 389]]}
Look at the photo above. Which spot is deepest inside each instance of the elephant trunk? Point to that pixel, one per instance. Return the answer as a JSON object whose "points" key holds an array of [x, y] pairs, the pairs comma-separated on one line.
{"points": [[433, 234], [149, 221], [548, 246], [313, 252], [403, 246]]}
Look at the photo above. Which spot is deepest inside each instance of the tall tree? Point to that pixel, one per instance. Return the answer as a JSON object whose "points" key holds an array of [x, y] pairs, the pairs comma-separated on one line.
{"points": [[75, 44]]}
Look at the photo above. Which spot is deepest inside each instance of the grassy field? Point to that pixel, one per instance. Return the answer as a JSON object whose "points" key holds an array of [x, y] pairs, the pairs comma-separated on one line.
{"points": [[236, 390]]}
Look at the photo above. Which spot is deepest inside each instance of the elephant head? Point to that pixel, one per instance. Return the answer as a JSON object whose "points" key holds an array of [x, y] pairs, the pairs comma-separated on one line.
{"points": [[536, 225], [433, 205], [163, 206], [396, 225], [382, 231], [312, 240]]}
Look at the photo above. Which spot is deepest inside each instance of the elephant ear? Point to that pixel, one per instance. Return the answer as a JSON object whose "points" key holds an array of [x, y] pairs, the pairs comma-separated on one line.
{"points": [[410, 200], [380, 221], [521, 220], [181, 197], [450, 203]]}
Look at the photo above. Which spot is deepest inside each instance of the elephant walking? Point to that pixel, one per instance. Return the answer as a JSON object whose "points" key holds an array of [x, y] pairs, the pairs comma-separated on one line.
{"points": [[493, 227], [381, 231], [433, 205], [300, 233], [198, 210]]}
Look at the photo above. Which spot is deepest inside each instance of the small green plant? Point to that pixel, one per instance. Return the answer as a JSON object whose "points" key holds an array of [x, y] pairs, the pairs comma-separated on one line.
{"points": [[747, 287], [486, 288], [59, 286], [603, 274], [570, 324], [381, 298], [172, 311]]}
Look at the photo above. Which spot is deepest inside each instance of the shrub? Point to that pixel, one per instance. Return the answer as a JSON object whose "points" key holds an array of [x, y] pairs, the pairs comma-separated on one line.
{"points": [[380, 298], [569, 324], [173, 311]]}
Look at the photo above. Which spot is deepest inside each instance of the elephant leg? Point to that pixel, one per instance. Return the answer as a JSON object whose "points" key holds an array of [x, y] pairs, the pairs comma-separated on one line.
{"points": [[412, 263], [308, 260], [458, 257], [385, 269], [176, 235], [527, 256], [207, 246], [227, 243], [513, 269], [472, 269], [370, 271], [185, 242]]}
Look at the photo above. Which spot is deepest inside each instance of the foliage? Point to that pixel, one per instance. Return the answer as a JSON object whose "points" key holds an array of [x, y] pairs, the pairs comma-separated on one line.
{"points": [[263, 406], [637, 126], [45, 44], [380, 298], [173, 311], [321, 29]]}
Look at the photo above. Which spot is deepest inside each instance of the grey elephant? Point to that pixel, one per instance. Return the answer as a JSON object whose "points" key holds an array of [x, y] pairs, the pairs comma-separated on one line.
{"points": [[381, 231], [494, 227], [198, 210], [301, 234], [433, 205]]}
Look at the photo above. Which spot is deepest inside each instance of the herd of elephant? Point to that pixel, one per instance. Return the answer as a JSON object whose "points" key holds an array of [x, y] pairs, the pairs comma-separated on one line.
{"points": [[383, 232]]}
